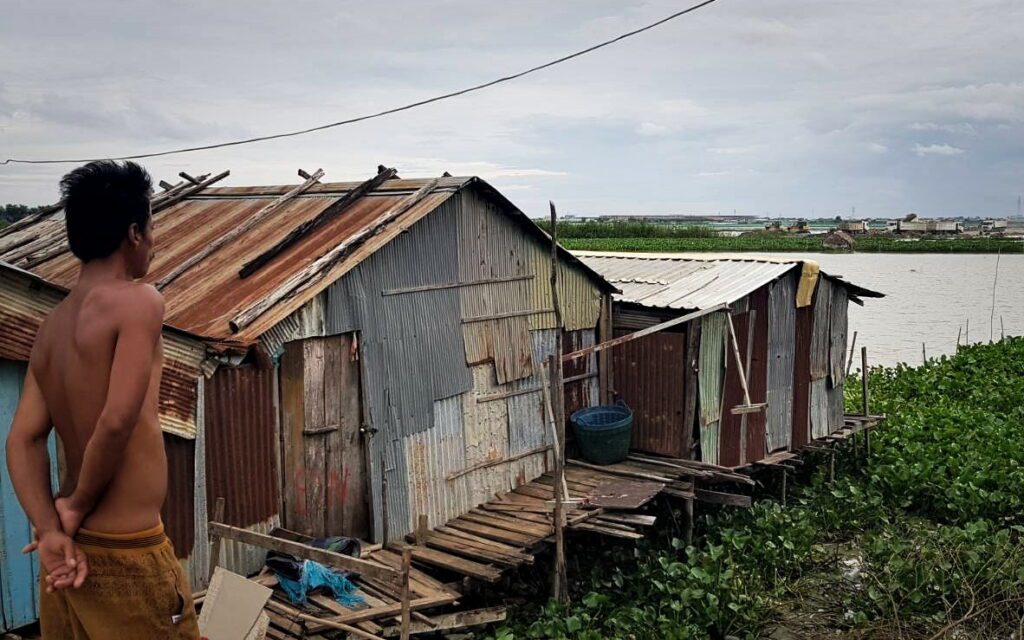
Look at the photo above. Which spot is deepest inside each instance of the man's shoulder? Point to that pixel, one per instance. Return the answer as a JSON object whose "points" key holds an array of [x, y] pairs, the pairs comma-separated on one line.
{"points": [[133, 303]]}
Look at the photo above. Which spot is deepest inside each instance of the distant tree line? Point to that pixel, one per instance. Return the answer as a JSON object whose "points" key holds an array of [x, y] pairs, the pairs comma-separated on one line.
{"points": [[593, 229], [14, 212]]}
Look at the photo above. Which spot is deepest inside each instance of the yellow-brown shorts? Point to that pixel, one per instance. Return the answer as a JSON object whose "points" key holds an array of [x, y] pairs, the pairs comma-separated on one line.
{"points": [[136, 590]]}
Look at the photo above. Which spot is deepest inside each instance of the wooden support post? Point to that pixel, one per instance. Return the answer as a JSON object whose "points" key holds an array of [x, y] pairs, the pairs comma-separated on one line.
{"points": [[866, 400], [406, 615], [853, 350], [215, 538], [785, 477], [559, 588], [689, 521], [832, 465], [422, 530]]}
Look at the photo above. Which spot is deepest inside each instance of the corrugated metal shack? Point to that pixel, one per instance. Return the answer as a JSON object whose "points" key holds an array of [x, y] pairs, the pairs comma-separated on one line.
{"points": [[345, 356], [790, 324]]}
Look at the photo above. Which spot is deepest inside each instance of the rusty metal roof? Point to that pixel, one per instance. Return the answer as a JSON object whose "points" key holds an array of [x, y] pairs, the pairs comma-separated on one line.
{"points": [[209, 295], [691, 281]]}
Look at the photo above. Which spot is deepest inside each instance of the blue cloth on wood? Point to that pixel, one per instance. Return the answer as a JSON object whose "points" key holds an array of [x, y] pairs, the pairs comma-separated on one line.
{"points": [[312, 576]]}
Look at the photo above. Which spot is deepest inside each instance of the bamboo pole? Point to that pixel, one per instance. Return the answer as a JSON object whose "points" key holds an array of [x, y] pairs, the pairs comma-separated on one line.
{"points": [[853, 350], [866, 399], [559, 589], [406, 615]]}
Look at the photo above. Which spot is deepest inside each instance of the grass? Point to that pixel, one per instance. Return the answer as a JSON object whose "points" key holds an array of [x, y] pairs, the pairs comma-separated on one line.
{"points": [[922, 539], [791, 244]]}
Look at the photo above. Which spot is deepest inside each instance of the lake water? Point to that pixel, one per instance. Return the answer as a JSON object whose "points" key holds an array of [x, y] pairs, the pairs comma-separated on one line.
{"points": [[929, 299]]}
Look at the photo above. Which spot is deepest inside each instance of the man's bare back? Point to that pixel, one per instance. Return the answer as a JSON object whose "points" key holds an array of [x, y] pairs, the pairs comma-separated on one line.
{"points": [[73, 363]]}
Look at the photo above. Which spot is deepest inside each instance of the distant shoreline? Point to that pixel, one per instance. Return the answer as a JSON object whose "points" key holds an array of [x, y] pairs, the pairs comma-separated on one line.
{"points": [[796, 244]]}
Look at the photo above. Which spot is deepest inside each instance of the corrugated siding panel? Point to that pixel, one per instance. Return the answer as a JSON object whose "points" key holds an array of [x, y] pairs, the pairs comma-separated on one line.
{"points": [[582, 393], [781, 353], [649, 377], [820, 337], [802, 377], [241, 444], [247, 559], [819, 408], [307, 322], [527, 422], [711, 375], [197, 565], [756, 448], [732, 449], [492, 245], [835, 407], [178, 511], [837, 334]]}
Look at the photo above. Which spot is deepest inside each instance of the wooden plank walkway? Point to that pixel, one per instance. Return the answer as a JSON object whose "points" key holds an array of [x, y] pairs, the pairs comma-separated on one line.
{"points": [[486, 542]]}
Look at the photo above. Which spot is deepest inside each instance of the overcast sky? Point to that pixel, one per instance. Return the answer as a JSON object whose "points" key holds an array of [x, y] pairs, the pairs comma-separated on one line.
{"points": [[786, 107]]}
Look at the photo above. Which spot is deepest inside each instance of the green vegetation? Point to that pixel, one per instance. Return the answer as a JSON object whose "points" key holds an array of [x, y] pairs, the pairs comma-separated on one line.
{"points": [[791, 243], [923, 538], [13, 212], [664, 238]]}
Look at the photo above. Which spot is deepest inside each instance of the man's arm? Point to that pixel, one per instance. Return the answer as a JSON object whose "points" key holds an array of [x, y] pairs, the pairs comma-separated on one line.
{"points": [[139, 322], [29, 464], [28, 459]]}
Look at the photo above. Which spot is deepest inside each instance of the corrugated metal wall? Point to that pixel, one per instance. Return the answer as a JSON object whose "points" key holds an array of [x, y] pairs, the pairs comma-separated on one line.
{"points": [[781, 353], [756, 448], [711, 376], [802, 377], [583, 392], [837, 355], [649, 377], [732, 448], [424, 315]]}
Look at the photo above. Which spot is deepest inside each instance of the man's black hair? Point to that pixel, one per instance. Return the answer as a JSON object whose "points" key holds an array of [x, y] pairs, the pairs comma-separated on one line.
{"points": [[102, 200]]}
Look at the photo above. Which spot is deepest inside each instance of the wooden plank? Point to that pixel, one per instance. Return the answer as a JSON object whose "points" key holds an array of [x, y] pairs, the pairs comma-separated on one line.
{"points": [[299, 550], [317, 269], [491, 397], [332, 211], [423, 582], [314, 435], [508, 524], [625, 473], [500, 547], [630, 518], [608, 344], [718, 497], [323, 622], [453, 285], [457, 547], [526, 522], [492, 533], [615, 533], [471, 568], [502, 316], [456, 621], [293, 460], [690, 387], [406, 611], [238, 231], [492, 463]]}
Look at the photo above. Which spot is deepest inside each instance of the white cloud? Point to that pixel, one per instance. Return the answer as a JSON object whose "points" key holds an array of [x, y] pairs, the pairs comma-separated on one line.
{"points": [[936, 150]]}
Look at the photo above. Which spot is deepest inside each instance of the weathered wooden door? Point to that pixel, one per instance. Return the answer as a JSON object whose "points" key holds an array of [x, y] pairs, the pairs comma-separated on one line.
{"points": [[19, 586], [323, 455]]}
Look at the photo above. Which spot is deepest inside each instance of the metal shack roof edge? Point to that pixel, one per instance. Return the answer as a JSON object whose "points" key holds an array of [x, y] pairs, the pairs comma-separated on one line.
{"points": [[204, 298], [693, 281]]}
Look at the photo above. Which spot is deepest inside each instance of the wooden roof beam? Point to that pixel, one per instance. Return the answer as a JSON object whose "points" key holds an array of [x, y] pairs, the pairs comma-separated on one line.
{"points": [[331, 212]]}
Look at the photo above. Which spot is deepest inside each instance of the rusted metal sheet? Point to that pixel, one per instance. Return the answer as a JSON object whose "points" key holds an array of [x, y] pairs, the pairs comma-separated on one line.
{"points": [[649, 377], [505, 342], [432, 456], [756, 447], [241, 444], [712, 376], [177, 512], [732, 448], [781, 353], [820, 336], [802, 377], [25, 301]]}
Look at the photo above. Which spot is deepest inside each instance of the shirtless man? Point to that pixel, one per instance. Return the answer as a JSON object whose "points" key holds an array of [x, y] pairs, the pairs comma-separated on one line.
{"points": [[108, 570]]}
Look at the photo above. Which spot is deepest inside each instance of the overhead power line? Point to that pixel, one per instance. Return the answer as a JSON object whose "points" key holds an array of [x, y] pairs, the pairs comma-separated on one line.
{"points": [[379, 114]]}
